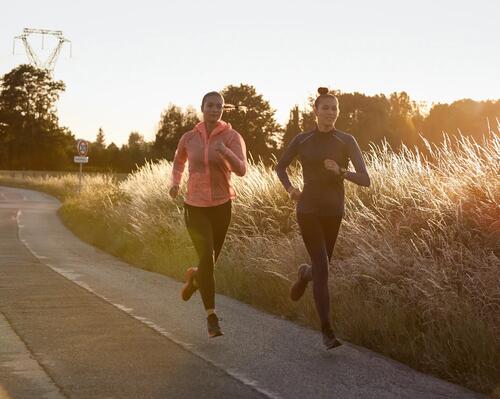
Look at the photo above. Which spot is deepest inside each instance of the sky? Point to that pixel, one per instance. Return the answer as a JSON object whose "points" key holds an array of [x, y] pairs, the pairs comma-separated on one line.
{"points": [[131, 59]]}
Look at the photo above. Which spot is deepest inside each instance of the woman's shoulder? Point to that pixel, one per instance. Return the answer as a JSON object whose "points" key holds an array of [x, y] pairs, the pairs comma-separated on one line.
{"points": [[302, 136], [233, 134], [346, 138], [232, 131], [188, 135], [343, 135]]}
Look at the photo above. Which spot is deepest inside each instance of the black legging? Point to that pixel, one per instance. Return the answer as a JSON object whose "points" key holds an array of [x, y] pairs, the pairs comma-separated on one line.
{"points": [[319, 234], [207, 227]]}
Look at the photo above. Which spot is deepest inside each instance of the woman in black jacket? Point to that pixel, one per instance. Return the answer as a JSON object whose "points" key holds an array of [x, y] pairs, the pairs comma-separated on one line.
{"points": [[324, 153]]}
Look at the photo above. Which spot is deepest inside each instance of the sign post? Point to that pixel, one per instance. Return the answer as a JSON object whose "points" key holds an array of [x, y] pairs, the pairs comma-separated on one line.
{"points": [[82, 148]]}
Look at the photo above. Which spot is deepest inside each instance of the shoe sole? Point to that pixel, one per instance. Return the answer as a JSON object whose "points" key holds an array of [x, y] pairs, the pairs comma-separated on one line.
{"points": [[299, 286], [187, 278], [336, 344], [295, 297], [217, 334]]}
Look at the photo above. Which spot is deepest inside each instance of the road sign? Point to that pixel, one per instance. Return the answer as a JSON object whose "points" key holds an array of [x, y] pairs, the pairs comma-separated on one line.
{"points": [[79, 159], [82, 147]]}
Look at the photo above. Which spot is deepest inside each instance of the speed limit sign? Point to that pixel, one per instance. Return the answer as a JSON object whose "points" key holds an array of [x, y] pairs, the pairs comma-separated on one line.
{"points": [[82, 147]]}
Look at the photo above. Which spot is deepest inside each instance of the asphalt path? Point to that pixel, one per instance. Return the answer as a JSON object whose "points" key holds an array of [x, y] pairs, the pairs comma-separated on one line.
{"points": [[76, 322]]}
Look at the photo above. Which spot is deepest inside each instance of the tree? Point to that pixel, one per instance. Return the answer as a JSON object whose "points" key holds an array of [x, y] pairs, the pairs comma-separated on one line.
{"points": [[365, 117], [137, 151], [97, 151], [30, 127], [113, 157], [465, 116], [403, 115], [307, 121], [173, 124], [5, 143], [100, 141], [292, 127], [257, 124]]}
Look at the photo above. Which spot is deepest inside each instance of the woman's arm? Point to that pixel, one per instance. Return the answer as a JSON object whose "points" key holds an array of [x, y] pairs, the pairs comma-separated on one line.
{"points": [[288, 155], [361, 176], [236, 154], [179, 163]]}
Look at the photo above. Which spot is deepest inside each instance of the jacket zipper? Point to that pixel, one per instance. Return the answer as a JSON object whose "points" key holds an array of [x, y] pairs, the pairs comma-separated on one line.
{"points": [[207, 166]]}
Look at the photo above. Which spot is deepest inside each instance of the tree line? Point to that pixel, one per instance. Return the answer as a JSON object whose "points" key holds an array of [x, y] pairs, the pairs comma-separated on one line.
{"points": [[31, 137]]}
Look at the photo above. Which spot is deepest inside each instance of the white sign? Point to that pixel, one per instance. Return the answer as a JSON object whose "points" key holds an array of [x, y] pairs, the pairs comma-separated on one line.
{"points": [[82, 147], [79, 159]]}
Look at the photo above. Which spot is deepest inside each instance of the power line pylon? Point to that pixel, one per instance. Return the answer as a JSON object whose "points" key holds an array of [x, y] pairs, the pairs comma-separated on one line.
{"points": [[50, 63]]}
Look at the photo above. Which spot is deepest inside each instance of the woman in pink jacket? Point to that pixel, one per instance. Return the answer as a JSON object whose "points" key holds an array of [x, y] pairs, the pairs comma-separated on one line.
{"points": [[213, 150]]}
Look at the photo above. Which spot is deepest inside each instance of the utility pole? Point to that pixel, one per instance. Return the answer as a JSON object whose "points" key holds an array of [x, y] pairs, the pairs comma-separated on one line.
{"points": [[50, 63]]}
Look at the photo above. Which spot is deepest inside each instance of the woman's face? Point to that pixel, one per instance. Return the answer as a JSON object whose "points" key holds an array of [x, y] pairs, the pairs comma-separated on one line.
{"points": [[327, 111], [212, 108]]}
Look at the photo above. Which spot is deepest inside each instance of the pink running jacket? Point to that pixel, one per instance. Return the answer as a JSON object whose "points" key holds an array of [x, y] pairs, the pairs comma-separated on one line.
{"points": [[209, 182]]}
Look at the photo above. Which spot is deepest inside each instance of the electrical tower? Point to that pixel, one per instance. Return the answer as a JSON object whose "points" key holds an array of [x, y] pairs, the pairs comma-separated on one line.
{"points": [[50, 63]]}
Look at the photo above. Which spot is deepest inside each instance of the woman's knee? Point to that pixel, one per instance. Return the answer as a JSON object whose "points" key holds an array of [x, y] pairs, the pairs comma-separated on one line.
{"points": [[320, 272], [206, 265]]}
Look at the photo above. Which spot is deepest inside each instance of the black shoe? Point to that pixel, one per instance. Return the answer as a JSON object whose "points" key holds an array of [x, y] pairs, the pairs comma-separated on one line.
{"points": [[329, 339], [213, 327]]}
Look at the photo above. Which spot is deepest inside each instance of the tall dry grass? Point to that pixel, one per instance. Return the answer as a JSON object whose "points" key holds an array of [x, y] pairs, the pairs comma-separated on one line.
{"points": [[416, 271]]}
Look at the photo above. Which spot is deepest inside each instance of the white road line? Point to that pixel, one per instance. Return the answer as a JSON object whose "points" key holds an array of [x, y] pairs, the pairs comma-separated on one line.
{"points": [[73, 277]]}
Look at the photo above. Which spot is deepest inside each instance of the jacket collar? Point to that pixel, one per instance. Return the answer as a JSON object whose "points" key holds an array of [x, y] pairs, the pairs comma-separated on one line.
{"points": [[221, 126]]}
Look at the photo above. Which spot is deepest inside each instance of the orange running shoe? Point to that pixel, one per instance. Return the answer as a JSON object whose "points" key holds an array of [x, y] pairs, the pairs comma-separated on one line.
{"points": [[299, 287], [190, 286]]}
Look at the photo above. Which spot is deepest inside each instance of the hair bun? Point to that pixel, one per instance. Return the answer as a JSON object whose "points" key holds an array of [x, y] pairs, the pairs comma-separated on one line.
{"points": [[323, 90]]}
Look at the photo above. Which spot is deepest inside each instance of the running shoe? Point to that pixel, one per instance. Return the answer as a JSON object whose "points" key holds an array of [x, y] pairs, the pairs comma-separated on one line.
{"points": [[299, 287], [213, 326], [190, 286], [329, 339]]}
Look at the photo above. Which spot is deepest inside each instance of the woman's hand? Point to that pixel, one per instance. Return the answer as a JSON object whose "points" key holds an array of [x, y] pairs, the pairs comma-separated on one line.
{"points": [[332, 166], [220, 147], [294, 193], [174, 191]]}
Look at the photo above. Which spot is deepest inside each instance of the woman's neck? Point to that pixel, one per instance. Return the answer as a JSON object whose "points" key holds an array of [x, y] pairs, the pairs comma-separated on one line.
{"points": [[210, 126], [325, 127]]}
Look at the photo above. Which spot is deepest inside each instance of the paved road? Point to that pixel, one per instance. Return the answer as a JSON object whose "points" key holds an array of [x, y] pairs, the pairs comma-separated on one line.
{"points": [[78, 323]]}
